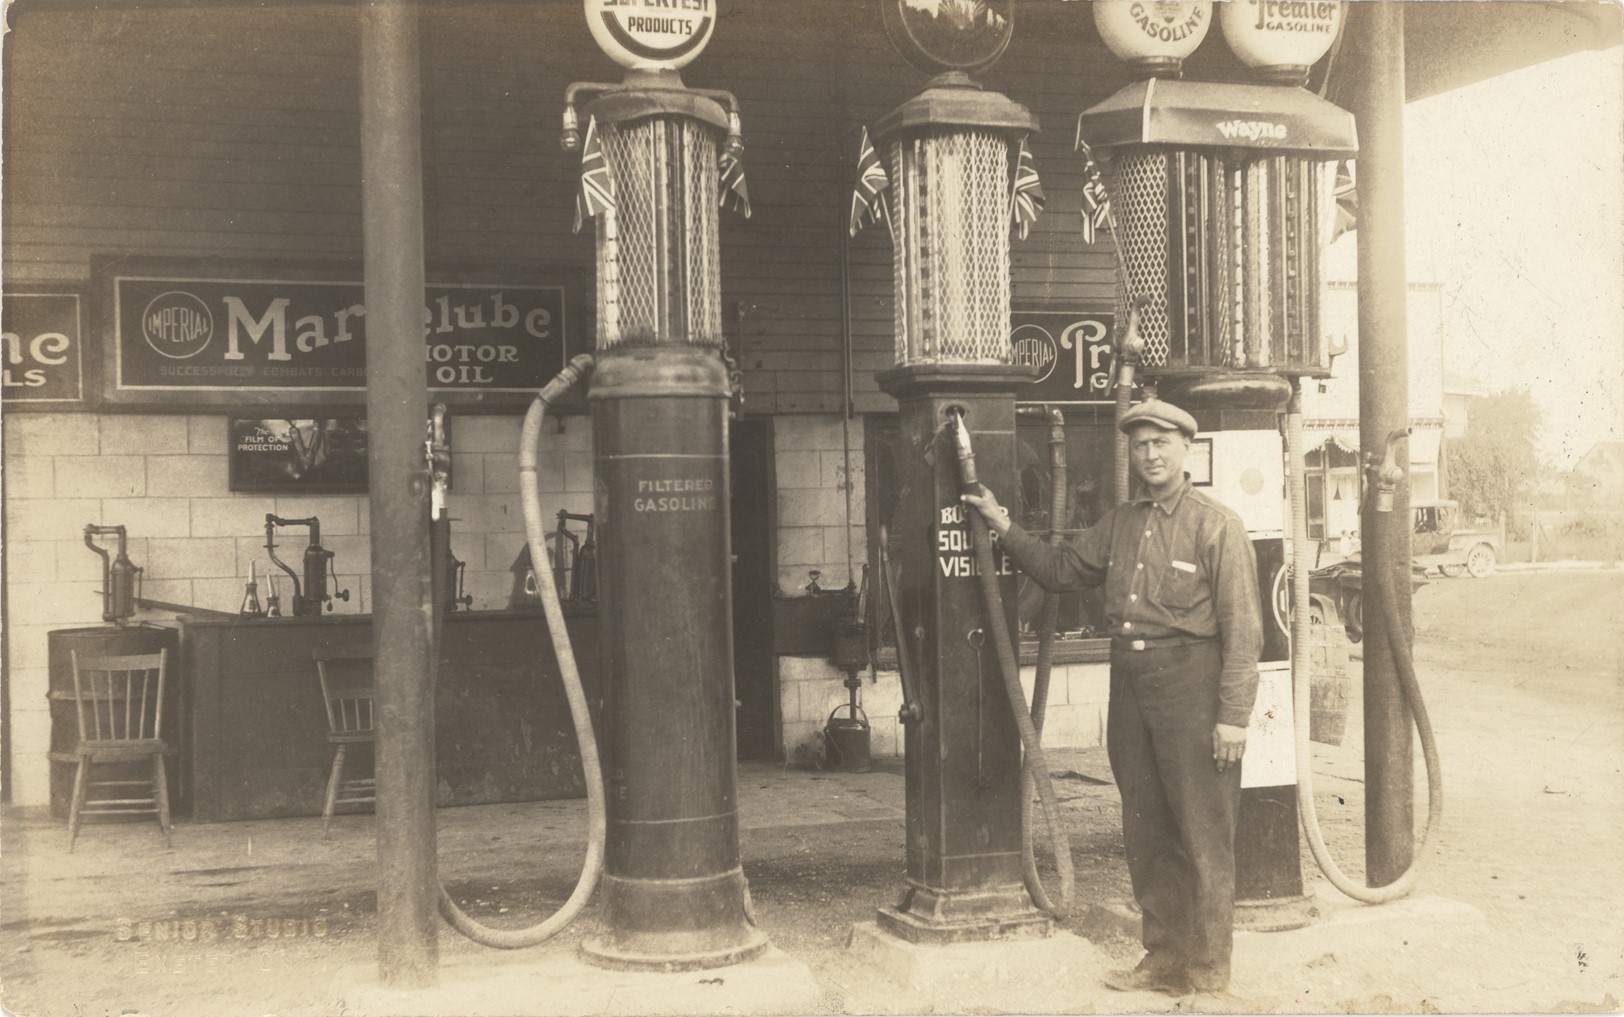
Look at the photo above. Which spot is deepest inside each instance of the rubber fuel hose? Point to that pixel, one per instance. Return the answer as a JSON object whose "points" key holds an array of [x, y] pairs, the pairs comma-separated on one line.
{"points": [[993, 601], [535, 529], [1301, 665]]}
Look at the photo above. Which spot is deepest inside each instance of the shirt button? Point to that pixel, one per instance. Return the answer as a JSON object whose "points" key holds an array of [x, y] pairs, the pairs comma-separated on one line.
{"points": [[1147, 533], [1140, 565], [1133, 596], [1127, 625]]}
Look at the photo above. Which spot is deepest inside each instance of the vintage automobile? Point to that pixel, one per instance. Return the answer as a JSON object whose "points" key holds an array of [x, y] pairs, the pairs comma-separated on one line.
{"points": [[1439, 541], [1336, 589]]}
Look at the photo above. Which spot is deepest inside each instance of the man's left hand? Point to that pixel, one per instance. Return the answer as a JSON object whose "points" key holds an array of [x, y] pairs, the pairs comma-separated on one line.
{"points": [[1228, 745]]}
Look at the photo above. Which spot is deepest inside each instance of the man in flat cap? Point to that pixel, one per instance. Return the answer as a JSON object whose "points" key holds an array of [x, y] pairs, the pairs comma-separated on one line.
{"points": [[1181, 604]]}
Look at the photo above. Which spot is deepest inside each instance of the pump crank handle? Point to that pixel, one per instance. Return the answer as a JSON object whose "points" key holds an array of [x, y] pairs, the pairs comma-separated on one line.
{"points": [[910, 711]]}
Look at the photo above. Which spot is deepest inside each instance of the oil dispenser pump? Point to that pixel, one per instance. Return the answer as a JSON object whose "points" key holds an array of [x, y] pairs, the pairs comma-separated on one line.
{"points": [[309, 598], [119, 574]]}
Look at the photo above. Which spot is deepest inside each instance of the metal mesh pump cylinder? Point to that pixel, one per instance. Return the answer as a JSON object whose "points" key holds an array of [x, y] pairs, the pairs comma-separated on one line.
{"points": [[1223, 247], [659, 274], [950, 225]]}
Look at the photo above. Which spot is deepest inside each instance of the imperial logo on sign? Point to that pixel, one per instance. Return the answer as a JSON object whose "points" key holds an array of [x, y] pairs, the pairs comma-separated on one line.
{"points": [[651, 34], [177, 324], [1071, 350], [233, 334]]}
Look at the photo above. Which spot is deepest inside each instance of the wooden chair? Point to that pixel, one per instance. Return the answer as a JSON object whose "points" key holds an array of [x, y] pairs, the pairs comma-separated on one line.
{"points": [[346, 688], [118, 701]]}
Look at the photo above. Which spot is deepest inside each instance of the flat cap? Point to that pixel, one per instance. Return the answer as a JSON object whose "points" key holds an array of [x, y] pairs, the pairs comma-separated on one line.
{"points": [[1158, 414]]}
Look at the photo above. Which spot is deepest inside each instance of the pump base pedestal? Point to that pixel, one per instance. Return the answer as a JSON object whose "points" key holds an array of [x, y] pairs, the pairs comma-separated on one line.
{"points": [[996, 975], [602, 954], [937, 917], [1278, 915]]}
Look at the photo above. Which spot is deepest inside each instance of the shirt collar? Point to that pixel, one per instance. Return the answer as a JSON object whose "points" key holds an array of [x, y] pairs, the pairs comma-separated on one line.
{"points": [[1170, 503]]}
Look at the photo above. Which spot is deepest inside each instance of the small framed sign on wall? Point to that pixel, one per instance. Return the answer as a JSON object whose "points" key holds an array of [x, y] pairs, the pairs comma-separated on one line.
{"points": [[322, 455]]}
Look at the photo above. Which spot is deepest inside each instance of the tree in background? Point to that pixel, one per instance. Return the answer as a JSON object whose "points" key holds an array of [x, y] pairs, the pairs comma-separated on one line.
{"points": [[1494, 468]]}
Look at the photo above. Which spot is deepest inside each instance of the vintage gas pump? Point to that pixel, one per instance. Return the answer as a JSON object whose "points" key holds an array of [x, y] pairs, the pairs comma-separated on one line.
{"points": [[1223, 199], [950, 157], [308, 599], [659, 159]]}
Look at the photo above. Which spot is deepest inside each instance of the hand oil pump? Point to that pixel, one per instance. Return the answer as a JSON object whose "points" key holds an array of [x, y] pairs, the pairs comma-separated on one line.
{"points": [[309, 598], [948, 158], [654, 157], [118, 575]]}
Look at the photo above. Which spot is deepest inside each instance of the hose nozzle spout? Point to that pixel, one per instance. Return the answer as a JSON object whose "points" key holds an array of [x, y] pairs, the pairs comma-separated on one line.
{"points": [[967, 456], [576, 371], [1389, 473]]}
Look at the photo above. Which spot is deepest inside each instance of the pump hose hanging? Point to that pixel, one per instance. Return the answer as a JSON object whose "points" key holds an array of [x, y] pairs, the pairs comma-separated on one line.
{"points": [[535, 529], [1047, 618], [1300, 670], [1035, 766]]}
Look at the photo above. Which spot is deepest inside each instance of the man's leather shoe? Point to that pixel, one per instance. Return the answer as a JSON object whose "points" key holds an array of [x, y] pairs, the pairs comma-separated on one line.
{"points": [[1147, 980]]}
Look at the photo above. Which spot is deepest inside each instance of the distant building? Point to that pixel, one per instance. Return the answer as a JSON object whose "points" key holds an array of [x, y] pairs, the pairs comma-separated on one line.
{"points": [[1331, 408], [1598, 477]]}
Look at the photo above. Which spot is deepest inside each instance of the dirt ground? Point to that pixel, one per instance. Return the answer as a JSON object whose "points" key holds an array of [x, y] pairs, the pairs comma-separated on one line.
{"points": [[1523, 676]]}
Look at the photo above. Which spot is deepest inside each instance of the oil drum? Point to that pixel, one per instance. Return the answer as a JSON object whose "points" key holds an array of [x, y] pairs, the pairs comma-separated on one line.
{"points": [[102, 641]]}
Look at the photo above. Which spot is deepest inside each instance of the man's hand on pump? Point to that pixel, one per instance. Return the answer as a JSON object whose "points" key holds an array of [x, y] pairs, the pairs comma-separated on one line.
{"points": [[1228, 745], [987, 504]]}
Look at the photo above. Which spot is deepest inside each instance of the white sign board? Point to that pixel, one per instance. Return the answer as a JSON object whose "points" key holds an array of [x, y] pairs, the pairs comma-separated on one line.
{"points": [[1271, 748], [651, 35]]}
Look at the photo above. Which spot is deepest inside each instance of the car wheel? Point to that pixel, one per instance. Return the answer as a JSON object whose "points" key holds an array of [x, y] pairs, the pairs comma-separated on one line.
{"points": [[1453, 571], [1480, 561]]}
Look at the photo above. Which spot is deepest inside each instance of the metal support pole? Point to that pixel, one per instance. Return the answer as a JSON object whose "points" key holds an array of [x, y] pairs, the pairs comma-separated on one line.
{"points": [[1378, 34], [397, 406]]}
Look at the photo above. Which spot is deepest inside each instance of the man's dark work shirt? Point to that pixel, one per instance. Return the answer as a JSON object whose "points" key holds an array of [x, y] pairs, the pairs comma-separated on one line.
{"points": [[1181, 566]]}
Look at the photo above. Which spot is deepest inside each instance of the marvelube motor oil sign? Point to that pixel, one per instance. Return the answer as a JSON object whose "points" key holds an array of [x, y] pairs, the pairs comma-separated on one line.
{"points": [[173, 333]]}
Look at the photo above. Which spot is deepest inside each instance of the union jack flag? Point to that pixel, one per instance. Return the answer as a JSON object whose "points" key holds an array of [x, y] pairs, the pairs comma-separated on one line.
{"points": [[1096, 202], [868, 196], [1027, 199], [735, 195], [597, 192]]}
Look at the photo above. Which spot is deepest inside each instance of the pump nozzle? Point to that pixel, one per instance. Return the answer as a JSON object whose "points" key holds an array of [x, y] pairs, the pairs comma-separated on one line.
{"points": [[1387, 475], [971, 484]]}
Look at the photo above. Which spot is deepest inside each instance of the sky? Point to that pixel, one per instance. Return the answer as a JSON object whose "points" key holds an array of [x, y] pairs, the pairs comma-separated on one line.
{"points": [[1514, 205]]}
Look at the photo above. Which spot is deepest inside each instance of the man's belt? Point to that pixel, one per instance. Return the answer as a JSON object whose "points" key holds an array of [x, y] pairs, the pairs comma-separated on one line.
{"points": [[1158, 643]]}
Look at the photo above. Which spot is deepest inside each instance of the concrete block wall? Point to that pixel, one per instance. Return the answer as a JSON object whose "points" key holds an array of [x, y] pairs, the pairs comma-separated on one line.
{"points": [[811, 687], [811, 454], [165, 479]]}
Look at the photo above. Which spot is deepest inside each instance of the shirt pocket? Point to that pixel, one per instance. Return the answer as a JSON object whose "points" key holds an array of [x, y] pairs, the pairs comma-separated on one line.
{"points": [[1182, 590]]}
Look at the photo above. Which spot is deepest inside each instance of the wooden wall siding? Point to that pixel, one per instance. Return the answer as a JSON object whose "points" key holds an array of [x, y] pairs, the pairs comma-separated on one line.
{"points": [[191, 131], [233, 132]]}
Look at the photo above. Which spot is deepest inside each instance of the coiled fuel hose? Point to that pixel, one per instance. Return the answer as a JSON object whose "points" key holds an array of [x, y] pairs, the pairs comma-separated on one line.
{"points": [[1035, 766], [535, 529], [1300, 668]]}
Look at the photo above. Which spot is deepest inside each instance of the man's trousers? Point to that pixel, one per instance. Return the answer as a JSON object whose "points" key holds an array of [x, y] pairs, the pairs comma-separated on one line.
{"points": [[1178, 811]]}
